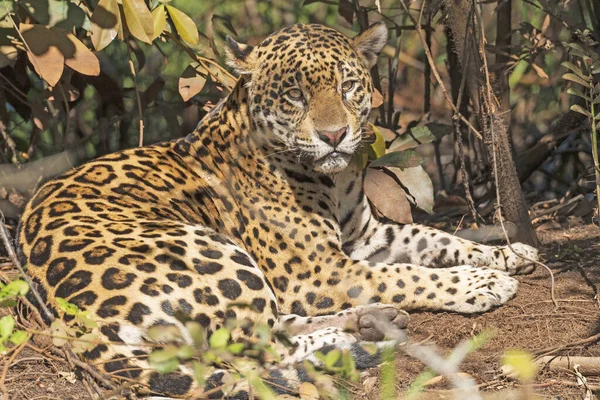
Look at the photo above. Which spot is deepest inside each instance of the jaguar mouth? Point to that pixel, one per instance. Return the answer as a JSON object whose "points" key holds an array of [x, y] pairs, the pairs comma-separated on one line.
{"points": [[332, 162]]}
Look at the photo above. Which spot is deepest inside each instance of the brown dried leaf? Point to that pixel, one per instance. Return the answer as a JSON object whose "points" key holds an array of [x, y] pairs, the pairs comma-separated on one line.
{"points": [[190, 83], [45, 56], [539, 71], [308, 391], [77, 55], [106, 23], [376, 99], [387, 196], [418, 184]]}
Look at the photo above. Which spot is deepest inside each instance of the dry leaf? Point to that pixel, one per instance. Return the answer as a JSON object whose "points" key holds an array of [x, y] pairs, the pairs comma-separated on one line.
{"points": [[106, 23], [387, 196], [419, 186], [376, 99], [190, 83], [76, 54], [308, 391], [45, 56]]}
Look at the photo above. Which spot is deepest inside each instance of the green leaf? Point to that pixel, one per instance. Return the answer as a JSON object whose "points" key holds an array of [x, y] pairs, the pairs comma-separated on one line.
{"points": [[479, 340], [420, 135], [8, 303], [574, 68], [418, 384], [580, 110], [164, 333], [199, 373], [163, 355], [139, 20], [185, 352], [19, 337], [236, 348], [106, 23], [59, 332], [378, 147], [14, 289], [219, 338], [332, 357], [400, 159], [166, 367], [86, 320], [64, 305], [84, 343], [576, 49], [574, 78], [159, 18], [196, 332], [7, 324], [576, 92], [185, 26]]}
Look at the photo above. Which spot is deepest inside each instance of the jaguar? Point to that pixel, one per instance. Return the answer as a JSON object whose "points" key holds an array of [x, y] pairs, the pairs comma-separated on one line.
{"points": [[262, 204]]}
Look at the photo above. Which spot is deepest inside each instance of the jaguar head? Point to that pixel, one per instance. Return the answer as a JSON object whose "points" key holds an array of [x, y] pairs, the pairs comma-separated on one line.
{"points": [[309, 90]]}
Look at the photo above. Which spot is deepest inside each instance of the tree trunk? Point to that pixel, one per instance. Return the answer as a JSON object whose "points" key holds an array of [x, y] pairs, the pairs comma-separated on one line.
{"points": [[466, 32]]}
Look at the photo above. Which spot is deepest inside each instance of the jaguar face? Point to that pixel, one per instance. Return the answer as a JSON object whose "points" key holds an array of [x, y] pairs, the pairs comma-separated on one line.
{"points": [[309, 90]]}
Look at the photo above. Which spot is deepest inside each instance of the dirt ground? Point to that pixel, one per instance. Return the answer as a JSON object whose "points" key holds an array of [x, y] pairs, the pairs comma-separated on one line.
{"points": [[529, 322]]}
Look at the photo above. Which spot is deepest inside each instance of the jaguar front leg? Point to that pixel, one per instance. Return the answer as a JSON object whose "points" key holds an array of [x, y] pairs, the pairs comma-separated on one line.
{"points": [[351, 283], [418, 244]]}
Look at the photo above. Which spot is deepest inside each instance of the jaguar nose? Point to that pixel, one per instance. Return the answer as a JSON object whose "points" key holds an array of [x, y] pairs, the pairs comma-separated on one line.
{"points": [[333, 138]]}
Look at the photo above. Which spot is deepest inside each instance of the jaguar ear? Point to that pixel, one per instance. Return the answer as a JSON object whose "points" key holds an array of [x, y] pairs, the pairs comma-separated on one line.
{"points": [[240, 56], [370, 42]]}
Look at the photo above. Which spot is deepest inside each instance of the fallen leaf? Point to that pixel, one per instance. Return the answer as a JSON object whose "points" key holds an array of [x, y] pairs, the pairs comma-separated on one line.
{"points": [[387, 196], [419, 186]]}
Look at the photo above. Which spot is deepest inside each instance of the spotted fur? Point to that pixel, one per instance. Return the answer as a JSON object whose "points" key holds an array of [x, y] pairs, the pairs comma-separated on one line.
{"points": [[261, 204]]}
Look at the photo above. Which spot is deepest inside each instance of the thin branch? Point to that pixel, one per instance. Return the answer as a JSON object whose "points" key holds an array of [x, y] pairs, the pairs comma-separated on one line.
{"points": [[137, 95], [436, 74]]}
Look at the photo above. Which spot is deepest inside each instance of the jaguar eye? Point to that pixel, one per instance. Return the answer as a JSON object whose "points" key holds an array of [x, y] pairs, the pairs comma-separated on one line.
{"points": [[294, 94], [348, 86]]}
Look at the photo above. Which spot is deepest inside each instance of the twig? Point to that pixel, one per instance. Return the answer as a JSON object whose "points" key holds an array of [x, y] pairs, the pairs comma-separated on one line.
{"points": [[5, 369], [456, 124], [137, 95], [436, 73], [7, 240], [550, 350], [558, 207]]}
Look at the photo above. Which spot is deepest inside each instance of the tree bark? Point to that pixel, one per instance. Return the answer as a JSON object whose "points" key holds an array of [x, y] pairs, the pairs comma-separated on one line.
{"points": [[466, 32]]}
